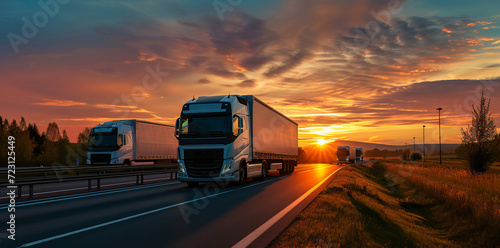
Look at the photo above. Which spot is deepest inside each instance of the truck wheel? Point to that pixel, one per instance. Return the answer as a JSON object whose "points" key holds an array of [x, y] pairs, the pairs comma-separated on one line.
{"points": [[242, 175], [127, 162], [283, 169], [192, 184]]}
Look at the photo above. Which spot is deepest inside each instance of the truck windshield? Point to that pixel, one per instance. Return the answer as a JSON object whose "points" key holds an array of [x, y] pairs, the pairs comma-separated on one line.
{"points": [[342, 152], [103, 141], [206, 126]]}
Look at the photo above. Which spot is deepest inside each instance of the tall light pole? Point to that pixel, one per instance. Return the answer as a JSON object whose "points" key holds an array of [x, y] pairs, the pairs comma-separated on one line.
{"points": [[413, 144], [424, 143], [440, 159]]}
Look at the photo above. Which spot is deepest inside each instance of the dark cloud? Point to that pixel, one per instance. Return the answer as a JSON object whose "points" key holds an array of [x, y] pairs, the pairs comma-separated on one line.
{"points": [[288, 64], [224, 73], [198, 61], [492, 66], [248, 83], [204, 81]]}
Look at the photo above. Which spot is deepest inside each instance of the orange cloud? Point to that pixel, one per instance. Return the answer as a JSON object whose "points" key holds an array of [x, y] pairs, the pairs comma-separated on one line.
{"points": [[59, 103]]}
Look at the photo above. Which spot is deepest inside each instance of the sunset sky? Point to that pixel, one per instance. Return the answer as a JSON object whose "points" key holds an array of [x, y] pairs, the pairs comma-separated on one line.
{"points": [[361, 70]]}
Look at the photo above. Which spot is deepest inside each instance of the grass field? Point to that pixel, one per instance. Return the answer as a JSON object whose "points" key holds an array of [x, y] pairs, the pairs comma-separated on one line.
{"points": [[388, 205], [449, 161]]}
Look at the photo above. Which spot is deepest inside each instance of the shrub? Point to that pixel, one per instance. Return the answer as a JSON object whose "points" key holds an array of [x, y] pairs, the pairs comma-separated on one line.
{"points": [[416, 156]]}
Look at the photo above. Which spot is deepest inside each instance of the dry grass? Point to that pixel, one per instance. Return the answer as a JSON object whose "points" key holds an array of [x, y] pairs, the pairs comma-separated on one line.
{"points": [[457, 188], [387, 206]]}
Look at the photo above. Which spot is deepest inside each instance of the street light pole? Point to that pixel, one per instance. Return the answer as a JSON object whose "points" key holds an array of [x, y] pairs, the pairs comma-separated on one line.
{"points": [[440, 159], [424, 142]]}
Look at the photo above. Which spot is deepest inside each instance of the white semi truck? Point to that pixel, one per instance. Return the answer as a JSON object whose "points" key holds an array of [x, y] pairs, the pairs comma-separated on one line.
{"points": [[232, 138], [346, 155], [131, 141]]}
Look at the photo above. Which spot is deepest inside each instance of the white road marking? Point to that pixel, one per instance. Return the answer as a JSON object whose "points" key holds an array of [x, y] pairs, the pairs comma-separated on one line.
{"points": [[264, 227], [134, 216]]}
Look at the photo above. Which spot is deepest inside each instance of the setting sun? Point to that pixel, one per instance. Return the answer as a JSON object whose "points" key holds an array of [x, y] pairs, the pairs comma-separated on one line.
{"points": [[322, 142]]}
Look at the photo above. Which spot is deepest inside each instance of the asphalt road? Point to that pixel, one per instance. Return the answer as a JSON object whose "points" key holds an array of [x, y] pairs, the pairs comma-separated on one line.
{"points": [[168, 214]]}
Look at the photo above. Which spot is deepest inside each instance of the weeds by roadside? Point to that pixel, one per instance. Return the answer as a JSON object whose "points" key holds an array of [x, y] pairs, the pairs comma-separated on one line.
{"points": [[364, 207]]}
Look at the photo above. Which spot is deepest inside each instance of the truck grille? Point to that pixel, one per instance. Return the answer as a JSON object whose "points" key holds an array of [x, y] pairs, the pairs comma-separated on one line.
{"points": [[203, 163], [100, 158]]}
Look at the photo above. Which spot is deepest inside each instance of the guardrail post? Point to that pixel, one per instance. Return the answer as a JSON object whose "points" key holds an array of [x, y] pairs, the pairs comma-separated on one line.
{"points": [[137, 179], [171, 175], [31, 191], [142, 179], [176, 175], [19, 193], [90, 184], [98, 184]]}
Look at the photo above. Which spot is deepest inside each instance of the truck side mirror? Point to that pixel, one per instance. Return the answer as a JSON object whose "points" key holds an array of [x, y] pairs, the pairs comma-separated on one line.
{"points": [[240, 125], [177, 125]]}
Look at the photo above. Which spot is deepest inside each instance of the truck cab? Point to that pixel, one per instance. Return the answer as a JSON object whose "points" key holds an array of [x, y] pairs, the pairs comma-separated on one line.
{"points": [[232, 138], [110, 143], [213, 138]]}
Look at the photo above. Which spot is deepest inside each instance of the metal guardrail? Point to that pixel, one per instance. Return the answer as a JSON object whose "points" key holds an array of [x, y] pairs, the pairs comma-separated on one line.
{"points": [[33, 176]]}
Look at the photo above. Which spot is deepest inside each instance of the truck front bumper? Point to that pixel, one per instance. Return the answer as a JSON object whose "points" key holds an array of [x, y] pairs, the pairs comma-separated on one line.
{"points": [[228, 176]]}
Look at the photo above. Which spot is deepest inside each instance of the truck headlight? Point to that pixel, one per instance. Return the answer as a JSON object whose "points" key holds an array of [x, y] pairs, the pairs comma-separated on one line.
{"points": [[226, 168], [182, 169]]}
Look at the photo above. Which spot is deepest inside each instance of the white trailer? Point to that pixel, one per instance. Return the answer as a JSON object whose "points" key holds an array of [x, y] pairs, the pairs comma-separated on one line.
{"points": [[130, 141], [232, 138]]}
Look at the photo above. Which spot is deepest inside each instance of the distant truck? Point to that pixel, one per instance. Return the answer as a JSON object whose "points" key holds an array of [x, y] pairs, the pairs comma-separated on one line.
{"points": [[346, 155], [232, 138], [130, 141]]}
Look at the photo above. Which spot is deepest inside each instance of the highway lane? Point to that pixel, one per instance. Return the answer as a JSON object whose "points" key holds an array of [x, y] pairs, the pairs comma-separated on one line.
{"points": [[168, 214]]}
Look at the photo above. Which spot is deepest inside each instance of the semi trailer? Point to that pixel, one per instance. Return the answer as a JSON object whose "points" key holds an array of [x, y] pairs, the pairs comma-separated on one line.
{"points": [[347, 154], [232, 138], [131, 141]]}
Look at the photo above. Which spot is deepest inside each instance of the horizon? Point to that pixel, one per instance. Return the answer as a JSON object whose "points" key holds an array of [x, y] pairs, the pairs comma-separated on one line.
{"points": [[365, 71]]}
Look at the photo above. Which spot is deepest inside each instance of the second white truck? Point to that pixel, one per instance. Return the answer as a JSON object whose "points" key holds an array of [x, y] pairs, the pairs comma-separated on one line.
{"points": [[346, 155], [232, 138], [129, 141]]}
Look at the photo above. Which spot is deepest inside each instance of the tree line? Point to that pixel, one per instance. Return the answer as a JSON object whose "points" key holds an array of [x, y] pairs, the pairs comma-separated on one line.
{"points": [[51, 147]]}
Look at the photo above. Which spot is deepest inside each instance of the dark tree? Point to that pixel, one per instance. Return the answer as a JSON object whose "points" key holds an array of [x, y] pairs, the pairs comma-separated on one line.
{"points": [[479, 146], [83, 137], [65, 135], [53, 133], [36, 137]]}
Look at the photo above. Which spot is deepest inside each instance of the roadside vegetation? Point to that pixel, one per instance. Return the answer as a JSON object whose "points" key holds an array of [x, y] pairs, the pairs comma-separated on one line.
{"points": [[33, 148], [394, 205]]}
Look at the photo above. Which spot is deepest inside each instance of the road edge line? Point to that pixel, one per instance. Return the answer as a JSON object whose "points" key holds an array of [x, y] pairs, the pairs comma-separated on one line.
{"points": [[264, 227]]}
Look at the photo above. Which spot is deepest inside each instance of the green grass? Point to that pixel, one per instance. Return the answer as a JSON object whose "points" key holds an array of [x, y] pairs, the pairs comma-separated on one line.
{"points": [[371, 206]]}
